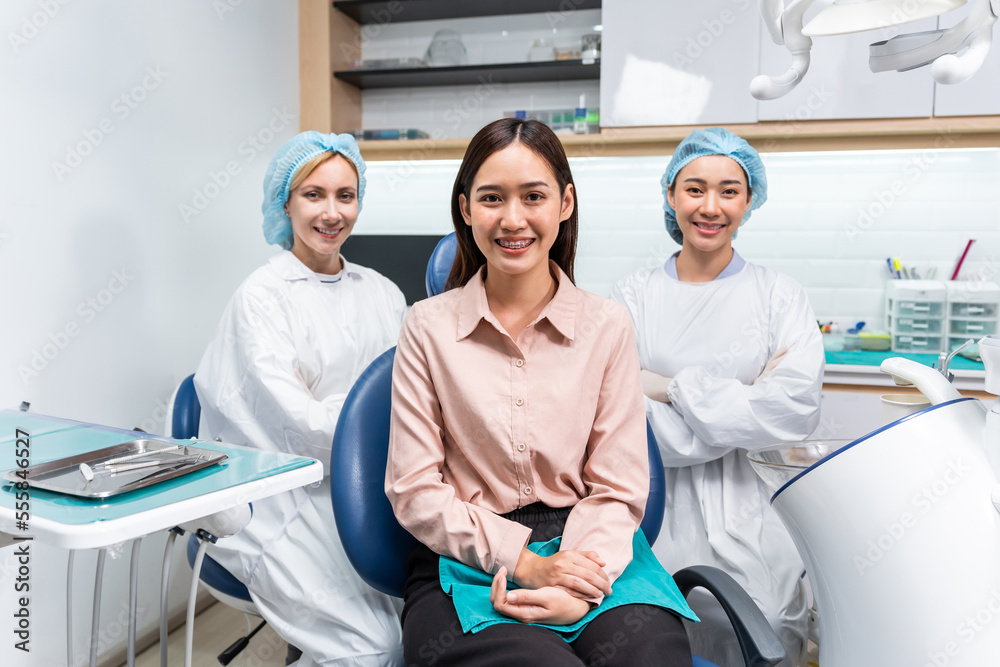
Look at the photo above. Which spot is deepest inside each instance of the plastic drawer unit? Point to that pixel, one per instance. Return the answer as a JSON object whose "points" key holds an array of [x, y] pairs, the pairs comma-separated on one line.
{"points": [[916, 325], [916, 315], [909, 343], [973, 311]]}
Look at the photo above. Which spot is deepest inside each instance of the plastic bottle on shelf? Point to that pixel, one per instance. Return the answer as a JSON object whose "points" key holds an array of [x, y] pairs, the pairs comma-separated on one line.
{"points": [[580, 117]]}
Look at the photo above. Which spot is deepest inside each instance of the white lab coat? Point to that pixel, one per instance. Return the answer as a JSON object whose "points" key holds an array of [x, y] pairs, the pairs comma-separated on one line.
{"points": [[275, 377], [714, 339]]}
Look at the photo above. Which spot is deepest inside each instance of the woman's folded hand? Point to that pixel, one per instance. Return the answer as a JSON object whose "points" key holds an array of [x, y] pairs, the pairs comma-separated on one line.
{"points": [[548, 605], [579, 573]]}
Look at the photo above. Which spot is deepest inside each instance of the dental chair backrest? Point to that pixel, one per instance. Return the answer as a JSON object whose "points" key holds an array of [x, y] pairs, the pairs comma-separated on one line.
{"points": [[185, 411], [376, 544], [439, 265]]}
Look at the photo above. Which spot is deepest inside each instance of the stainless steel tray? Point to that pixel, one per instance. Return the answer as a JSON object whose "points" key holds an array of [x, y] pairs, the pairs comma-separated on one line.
{"points": [[111, 474]]}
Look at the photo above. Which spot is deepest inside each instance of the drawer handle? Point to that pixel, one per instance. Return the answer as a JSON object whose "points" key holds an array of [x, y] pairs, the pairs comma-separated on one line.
{"points": [[974, 327], [976, 310], [919, 326], [922, 309]]}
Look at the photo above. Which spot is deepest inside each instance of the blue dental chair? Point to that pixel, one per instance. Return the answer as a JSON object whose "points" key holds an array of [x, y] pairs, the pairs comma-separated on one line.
{"points": [[378, 546]]}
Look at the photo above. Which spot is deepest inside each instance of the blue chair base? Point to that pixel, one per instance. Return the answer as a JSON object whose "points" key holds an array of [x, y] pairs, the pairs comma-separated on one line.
{"points": [[701, 662]]}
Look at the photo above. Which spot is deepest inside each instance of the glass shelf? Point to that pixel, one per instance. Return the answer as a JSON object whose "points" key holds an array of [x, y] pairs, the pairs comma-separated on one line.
{"points": [[367, 12], [526, 72]]}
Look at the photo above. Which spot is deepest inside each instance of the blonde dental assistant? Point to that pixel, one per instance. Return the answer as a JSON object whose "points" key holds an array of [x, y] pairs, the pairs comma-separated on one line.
{"points": [[732, 359], [291, 342]]}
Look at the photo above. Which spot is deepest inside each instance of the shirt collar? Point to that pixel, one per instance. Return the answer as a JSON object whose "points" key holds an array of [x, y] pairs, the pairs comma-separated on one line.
{"points": [[735, 265], [289, 267], [560, 311]]}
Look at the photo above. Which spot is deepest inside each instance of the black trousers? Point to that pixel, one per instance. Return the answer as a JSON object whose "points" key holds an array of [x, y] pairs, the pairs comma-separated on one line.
{"points": [[631, 635]]}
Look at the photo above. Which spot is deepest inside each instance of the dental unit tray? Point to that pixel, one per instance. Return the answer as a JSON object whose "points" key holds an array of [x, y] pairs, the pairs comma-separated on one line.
{"points": [[117, 469]]}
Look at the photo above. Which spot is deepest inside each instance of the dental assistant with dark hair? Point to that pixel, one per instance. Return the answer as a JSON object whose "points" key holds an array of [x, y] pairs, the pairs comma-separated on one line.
{"points": [[517, 453], [732, 359]]}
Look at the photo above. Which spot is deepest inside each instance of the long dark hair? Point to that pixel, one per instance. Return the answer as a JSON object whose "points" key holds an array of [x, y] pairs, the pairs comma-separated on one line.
{"points": [[493, 138]]}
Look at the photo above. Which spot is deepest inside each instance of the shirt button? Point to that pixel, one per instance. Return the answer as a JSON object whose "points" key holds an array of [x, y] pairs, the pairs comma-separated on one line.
{"points": [[527, 490], [519, 401], [521, 447], [519, 363]]}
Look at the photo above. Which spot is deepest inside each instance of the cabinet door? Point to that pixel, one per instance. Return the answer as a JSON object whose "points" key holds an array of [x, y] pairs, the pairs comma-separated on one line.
{"points": [[980, 95], [678, 63], [839, 83]]}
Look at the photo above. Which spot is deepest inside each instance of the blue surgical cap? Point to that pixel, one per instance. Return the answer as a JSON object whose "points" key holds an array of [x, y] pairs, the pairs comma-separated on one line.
{"points": [[286, 162], [714, 141]]}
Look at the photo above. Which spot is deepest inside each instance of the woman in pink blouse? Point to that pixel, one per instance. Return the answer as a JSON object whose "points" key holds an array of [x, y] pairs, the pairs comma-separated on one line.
{"points": [[517, 449]]}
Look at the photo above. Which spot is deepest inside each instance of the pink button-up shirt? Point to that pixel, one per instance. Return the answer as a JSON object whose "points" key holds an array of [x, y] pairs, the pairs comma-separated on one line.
{"points": [[483, 424]]}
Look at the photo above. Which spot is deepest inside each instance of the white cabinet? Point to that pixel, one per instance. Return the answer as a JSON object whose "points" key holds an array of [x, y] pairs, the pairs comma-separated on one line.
{"points": [[839, 83], [678, 63]]}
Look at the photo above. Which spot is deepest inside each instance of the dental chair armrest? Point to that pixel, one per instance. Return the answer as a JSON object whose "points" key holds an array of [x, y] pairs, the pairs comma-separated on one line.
{"points": [[758, 641]]}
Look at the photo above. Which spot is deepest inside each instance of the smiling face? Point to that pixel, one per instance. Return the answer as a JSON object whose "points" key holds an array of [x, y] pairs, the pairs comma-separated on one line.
{"points": [[323, 209], [514, 208], [710, 196]]}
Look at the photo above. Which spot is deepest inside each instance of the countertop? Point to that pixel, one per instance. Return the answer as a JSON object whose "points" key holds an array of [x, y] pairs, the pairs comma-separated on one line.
{"points": [[859, 371]]}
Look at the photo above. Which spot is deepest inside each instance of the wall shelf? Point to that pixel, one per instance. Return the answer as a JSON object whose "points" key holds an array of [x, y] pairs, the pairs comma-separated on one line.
{"points": [[527, 72], [366, 12], [769, 137]]}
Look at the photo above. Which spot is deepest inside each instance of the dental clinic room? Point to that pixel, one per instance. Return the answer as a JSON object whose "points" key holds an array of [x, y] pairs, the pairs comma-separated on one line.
{"points": [[295, 291]]}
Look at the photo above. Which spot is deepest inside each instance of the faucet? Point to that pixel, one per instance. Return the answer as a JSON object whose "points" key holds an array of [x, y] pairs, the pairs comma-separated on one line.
{"points": [[944, 359]]}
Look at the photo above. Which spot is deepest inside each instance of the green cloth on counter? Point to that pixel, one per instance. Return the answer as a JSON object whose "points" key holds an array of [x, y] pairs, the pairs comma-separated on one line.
{"points": [[644, 581], [868, 358]]}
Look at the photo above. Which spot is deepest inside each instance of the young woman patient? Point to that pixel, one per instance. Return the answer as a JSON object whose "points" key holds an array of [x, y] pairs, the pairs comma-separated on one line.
{"points": [[517, 452]]}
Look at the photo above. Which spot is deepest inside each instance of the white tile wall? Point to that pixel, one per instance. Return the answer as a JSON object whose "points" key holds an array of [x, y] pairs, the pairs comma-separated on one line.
{"points": [[459, 111], [830, 221]]}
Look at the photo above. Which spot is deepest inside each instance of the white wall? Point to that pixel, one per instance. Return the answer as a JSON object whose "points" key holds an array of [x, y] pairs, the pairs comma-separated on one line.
{"points": [[830, 221], [142, 105]]}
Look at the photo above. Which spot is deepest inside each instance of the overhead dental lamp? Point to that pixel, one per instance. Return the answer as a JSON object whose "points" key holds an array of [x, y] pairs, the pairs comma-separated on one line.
{"points": [[954, 54]]}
